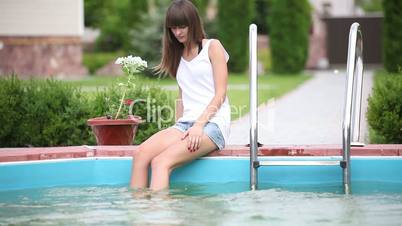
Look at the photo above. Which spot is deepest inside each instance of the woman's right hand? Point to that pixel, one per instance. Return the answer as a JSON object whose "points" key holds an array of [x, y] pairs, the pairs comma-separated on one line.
{"points": [[194, 135]]}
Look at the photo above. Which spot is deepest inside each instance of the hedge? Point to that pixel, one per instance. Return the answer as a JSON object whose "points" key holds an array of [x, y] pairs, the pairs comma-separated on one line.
{"points": [[384, 112], [289, 24], [42, 113], [234, 18], [392, 35]]}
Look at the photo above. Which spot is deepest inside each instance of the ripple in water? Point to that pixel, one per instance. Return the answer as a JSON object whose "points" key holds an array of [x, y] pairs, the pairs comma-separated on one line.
{"points": [[209, 204]]}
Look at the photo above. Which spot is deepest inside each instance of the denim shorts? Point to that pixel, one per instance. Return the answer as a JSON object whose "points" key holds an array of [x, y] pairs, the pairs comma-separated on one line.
{"points": [[211, 129]]}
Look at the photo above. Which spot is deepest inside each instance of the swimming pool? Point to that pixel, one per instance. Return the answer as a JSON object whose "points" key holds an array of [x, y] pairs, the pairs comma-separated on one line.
{"points": [[116, 171], [210, 191]]}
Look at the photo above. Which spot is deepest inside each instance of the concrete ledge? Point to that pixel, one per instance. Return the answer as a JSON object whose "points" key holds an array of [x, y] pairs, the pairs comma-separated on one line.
{"points": [[44, 153]]}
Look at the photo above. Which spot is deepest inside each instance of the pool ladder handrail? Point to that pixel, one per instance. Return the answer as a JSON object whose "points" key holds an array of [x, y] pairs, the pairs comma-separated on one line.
{"points": [[253, 106], [352, 110], [353, 99]]}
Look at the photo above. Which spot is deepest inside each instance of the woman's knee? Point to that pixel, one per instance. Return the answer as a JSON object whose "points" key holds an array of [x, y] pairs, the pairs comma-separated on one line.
{"points": [[141, 156], [161, 163]]}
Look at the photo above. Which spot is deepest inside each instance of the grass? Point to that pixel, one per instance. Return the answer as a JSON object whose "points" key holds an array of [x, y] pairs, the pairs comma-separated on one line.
{"points": [[269, 86], [92, 82], [94, 60]]}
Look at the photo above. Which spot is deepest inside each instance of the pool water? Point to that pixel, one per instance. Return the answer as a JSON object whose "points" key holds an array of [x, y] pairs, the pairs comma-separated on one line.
{"points": [[204, 204]]}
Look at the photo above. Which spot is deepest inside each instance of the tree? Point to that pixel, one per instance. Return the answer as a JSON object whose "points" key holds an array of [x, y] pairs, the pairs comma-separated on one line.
{"points": [[201, 6], [262, 11], [119, 17], [289, 23], [392, 35], [234, 17], [93, 12]]}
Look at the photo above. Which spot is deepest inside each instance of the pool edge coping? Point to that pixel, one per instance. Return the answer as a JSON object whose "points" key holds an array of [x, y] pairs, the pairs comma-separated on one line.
{"points": [[85, 151]]}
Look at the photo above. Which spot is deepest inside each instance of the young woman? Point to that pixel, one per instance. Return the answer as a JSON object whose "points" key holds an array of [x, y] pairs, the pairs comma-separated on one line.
{"points": [[202, 112]]}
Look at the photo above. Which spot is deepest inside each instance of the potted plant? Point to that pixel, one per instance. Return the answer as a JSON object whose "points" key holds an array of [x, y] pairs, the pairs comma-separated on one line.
{"points": [[116, 129]]}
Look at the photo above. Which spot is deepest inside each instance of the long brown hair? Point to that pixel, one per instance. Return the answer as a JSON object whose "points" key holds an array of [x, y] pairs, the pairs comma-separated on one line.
{"points": [[179, 13]]}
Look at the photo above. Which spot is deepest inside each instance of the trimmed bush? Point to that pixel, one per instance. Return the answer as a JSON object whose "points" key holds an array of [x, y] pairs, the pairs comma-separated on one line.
{"points": [[234, 18], [44, 113], [385, 109], [289, 23], [392, 51], [94, 61], [11, 99]]}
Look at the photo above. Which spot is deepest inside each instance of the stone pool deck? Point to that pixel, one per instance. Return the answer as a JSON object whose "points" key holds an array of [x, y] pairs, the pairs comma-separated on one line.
{"points": [[47, 153]]}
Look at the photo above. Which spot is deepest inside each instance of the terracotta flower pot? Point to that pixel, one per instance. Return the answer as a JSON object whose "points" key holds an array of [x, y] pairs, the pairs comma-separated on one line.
{"points": [[114, 131]]}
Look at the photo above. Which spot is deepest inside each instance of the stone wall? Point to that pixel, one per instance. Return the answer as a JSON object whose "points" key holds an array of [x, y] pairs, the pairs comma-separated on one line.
{"points": [[44, 57]]}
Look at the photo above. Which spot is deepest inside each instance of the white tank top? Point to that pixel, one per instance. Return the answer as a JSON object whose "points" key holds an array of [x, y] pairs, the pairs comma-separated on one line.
{"points": [[195, 78]]}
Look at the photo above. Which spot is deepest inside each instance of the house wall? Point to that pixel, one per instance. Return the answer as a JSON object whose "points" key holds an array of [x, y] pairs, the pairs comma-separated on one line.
{"points": [[41, 18], [336, 8], [41, 38], [338, 37]]}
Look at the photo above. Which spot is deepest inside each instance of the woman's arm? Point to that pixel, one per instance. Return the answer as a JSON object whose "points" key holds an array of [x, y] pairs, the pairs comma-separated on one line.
{"points": [[220, 73], [179, 105]]}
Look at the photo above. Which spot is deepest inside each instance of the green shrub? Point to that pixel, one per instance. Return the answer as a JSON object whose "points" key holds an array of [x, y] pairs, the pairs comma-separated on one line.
{"points": [[201, 6], [385, 109], [262, 11], [289, 23], [94, 61], [93, 12], [234, 18], [146, 38], [211, 28], [392, 50], [11, 112], [42, 113], [264, 56], [51, 113], [370, 5], [119, 17]]}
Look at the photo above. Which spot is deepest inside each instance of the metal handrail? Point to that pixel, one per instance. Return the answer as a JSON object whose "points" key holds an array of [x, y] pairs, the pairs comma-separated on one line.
{"points": [[351, 119], [253, 105]]}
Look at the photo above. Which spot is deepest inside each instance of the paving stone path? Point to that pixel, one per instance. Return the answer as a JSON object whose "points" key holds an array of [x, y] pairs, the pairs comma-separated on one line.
{"points": [[310, 114]]}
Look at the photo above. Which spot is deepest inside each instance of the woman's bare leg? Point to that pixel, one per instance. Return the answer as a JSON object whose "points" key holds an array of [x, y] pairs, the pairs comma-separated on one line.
{"points": [[174, 156], [150, 148]]}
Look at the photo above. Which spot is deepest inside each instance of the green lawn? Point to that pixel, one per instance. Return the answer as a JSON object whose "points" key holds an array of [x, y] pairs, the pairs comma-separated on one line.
{"points": [[94, 61], [269, 86], [93, 82]]}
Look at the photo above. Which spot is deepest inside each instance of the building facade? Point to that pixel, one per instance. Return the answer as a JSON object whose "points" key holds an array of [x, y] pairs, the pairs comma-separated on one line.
{"points": [[41, 38]]}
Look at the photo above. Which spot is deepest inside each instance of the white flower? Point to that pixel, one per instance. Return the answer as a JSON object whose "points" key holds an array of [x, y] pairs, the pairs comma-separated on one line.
{"points": [[119, 60], [132, 64]]}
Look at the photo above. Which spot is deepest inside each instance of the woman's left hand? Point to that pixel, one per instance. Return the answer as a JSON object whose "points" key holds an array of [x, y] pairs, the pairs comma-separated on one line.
{"points": [[194, 137]]}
